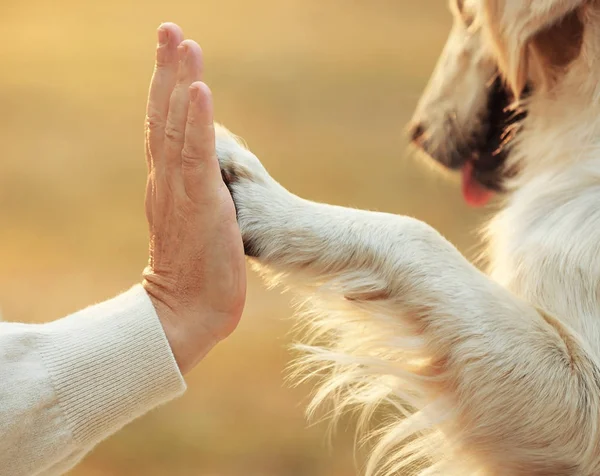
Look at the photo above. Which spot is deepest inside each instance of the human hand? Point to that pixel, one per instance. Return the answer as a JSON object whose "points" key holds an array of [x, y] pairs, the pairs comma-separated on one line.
{"points": [[196, 276]]}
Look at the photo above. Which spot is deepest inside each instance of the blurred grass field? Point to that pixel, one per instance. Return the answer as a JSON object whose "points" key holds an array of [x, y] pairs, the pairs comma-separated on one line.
{"points": [[320, 89]]}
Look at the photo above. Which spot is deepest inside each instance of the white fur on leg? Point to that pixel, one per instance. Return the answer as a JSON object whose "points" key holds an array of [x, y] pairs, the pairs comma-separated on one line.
{"points": [[480, 379]]}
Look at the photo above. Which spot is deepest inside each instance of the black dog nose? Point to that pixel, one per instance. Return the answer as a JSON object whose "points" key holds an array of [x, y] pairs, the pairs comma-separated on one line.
{"points": [[416, 133]]}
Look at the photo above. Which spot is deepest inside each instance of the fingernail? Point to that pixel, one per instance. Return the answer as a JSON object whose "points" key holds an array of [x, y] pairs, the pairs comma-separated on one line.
{"points": [[163, 36], [193, 94]]}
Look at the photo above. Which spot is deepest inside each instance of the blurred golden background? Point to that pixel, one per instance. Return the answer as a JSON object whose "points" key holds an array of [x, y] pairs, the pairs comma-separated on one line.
{"points": [[320, 89]]}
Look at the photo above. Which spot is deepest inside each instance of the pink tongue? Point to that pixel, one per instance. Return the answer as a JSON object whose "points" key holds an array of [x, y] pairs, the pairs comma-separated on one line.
{"points": [[476, 195]]}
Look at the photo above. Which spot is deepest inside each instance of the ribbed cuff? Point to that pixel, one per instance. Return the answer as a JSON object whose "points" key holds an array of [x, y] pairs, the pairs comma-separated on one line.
{"points": [[109, 364]]}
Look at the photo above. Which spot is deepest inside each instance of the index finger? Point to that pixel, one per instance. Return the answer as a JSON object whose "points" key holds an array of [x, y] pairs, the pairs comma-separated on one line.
{"points": [[199, 162]]}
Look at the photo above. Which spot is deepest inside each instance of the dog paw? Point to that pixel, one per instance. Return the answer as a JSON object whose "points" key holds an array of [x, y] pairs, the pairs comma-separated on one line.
{"points": [[255, 194], [236, 161]]}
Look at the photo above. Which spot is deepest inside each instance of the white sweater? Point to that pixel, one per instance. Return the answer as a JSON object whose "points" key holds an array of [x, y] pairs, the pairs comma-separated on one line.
{"points": [[67, 385]]}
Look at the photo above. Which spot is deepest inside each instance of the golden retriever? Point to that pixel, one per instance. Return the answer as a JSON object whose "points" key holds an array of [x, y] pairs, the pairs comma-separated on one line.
{"points": [[493, 374]]}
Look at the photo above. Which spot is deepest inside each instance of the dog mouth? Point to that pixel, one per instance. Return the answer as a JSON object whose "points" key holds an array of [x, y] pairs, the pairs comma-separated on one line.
{"points": [[483, 166], [481, 158]]}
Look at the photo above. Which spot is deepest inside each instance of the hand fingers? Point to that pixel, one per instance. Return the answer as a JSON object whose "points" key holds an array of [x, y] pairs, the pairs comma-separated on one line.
{"points": [[199, 161], [161, 87], [190, 70]]}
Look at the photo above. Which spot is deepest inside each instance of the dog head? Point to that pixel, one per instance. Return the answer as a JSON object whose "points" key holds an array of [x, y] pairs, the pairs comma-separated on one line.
{"points": [[498, 52]]}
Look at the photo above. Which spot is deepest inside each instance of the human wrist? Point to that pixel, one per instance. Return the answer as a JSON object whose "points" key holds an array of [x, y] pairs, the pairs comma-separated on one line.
{"points": [[190, 341]]}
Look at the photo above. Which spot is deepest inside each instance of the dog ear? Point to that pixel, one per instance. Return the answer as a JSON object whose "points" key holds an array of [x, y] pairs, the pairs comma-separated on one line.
{"points": [[544, 34]]}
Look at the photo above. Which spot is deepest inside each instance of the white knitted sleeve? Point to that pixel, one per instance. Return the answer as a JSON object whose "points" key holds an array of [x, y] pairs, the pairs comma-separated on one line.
{"points": [[68, 384]]}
